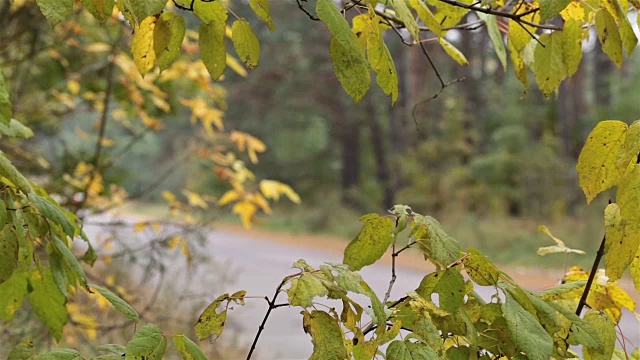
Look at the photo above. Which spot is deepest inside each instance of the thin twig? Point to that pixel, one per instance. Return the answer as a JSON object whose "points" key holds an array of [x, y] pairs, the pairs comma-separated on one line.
{"points": [[592, 275], [393, 272], [304, 10], [272, 305]]}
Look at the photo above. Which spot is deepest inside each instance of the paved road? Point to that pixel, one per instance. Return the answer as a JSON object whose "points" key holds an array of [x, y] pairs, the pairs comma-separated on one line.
{"points": [[260, 264]]}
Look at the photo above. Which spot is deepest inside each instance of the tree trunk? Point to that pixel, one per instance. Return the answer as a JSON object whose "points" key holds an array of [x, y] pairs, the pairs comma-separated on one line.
{"points": [[379, 153]]}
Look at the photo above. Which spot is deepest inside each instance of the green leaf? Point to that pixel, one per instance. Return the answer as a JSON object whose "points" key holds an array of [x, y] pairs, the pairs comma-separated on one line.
{"points": [[211, 12], [597, 164], [12, 174], [326, 336], [14, 128], [117, 302], [55, 10], [572, 36], [112, 348], [496, 37], [634, 270], [167, 38], [426, 15], [582, 332], [304, 289], [406, 350], [12, 293], [100, 9], [348, 59], [141, 9], [371, 243], [480, 269], [188, 349], [8, 254], [551, 8], [628, 36], [458, 353], [426, 330], [60, 354], [554, 292], [246, 43], [261, 8], [607, 331], [70, 260], [609, 36], [438, 245], [450, 286], [47, 301], [23, 351], [211, 322], [148, 343], [382, 63], [350, 67], [628, 153], [404, 14], [548, 66], [52, 211], [518, 65], [623, 225], [212, 50], [453, 52], [5, 104], [525, 331]]}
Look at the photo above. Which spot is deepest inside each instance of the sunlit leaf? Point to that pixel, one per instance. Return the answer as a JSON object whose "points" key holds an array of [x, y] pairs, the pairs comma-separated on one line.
{"points": [[496, 37], [453, 52], [12, 174], [449, 284], [212, 49], [549, 67], [480, 269], [382, 63], [211, 321], [246, 43], [560, 247], [371, 243], [14, 128], [597, 163], [142, 50], [406, 16], [261, 8], [141, 9], [60, 354]]}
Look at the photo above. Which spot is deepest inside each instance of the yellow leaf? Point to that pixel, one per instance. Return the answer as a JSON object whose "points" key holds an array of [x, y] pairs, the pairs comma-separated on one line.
{"points": [[155, 226], [194, 199], [518, 36], [246, 210], [596, 167], [620, 297], [560, 247], [173, 242], [621, 253], [142, 45], [261, 202], [634, 269], [97, 47], [453, 52], [228, 197], [168, 195], [274, 189], [138, 227], [573, 11], [609, 36], [236, 66], [73, 86]]}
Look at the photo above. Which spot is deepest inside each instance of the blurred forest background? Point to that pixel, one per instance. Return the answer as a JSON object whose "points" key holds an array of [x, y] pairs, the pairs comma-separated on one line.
{"points": [[490, 158]]}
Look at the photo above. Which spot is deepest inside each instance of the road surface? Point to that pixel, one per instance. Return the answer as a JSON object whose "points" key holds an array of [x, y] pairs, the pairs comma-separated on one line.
{"points": [[260, 260]]}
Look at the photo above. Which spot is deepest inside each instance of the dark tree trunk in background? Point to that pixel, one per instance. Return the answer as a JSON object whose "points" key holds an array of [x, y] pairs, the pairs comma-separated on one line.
{"points": [[379, 152], [350, 159], [473, 103], [603, 67], [398, 120], [571, 113]]}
